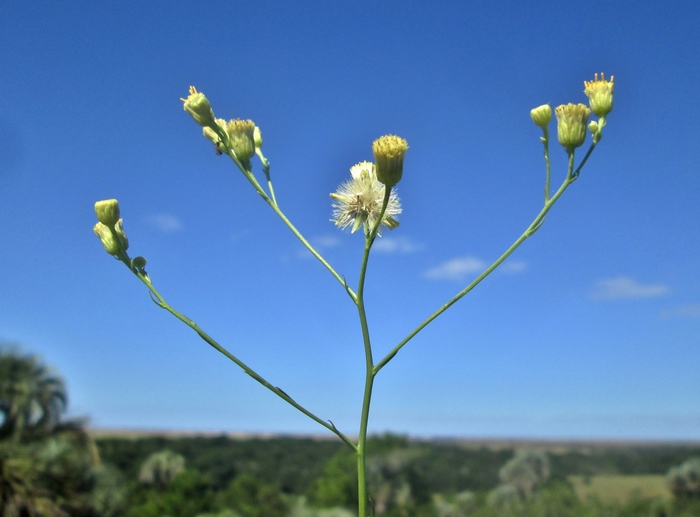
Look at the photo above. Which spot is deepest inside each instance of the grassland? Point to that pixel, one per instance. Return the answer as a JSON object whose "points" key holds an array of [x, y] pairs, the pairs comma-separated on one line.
{"points": [[620, 488]]}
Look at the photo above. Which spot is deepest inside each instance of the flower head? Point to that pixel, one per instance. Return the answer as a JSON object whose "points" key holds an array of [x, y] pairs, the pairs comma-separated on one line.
{"points": [[359, 201], [197, 105], [241, 135], [389, 152], [571, 125], [600, 94], [541, 115]]}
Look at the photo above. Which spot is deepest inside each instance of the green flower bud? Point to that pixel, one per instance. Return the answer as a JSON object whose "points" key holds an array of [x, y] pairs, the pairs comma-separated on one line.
{"points": [[139, 263], [197, 105], [108, 241], [593, 126], [107, 211], [389, 152], [257, 138], [600, 94], [541, 115], [571, 125], [211, 135], [241, 138], [119, 230]]}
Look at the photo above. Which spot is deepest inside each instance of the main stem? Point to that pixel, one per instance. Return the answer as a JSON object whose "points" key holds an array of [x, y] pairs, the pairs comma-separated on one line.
{"points": [[369, 363]]}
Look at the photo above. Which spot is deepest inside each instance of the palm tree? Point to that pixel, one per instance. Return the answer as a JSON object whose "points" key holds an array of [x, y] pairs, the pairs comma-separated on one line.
{"points": [[32, 398], [160, 468], [21, 490], [46, 464]]}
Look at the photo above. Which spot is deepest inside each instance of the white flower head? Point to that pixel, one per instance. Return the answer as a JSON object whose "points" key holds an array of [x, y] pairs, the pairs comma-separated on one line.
{"points": [[358, 202]]}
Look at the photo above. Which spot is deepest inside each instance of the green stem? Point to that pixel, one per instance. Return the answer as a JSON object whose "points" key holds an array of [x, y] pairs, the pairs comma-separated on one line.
{"points": [[369, 362], [545, 142], [160, 301], [574, 174], [266, 171], [534, 226], [273, 204]]}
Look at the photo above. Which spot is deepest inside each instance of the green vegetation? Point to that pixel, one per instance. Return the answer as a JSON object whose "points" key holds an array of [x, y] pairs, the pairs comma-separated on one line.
{"points": [[48, 466], [617, 488], [51, 467], [407, 478]]}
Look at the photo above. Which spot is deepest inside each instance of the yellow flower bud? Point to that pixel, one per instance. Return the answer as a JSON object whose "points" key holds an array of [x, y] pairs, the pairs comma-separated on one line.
{"points": [[241, 138], [541, 115], [600, 94], [389, 152], [571, 125], [107, 211], [108, 241], [197, 105]]}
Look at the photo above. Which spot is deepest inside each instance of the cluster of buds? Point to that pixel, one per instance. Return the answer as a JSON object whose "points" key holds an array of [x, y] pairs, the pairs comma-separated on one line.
{"points": [[110, 228], [572, 119], [240, 136]]}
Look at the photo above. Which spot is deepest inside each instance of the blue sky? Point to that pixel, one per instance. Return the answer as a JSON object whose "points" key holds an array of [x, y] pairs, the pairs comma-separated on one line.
{"points": [[590, 330]]}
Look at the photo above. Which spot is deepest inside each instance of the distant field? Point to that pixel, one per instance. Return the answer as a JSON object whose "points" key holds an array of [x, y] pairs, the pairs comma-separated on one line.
{"points": [[554, 446], [616, 488]]}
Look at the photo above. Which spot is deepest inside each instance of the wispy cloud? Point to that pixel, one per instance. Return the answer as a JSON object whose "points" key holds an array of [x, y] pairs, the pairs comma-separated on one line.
{"points": [[165, 222], [626, 288], [455, 269], [326, 241], [688, 311], [322, 242], [396, 245], [515, 266], [459, 268]]}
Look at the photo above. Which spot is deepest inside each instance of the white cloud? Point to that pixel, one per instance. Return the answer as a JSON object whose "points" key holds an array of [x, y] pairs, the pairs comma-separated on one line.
{"points": [[515, 266], [455, 269], [395, 245], [690, 311], [625, 288], [325, 241], [165, 222]]}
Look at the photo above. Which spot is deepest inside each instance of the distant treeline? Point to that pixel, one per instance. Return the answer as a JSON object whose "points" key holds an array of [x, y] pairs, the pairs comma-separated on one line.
{"points": [[295, 464]]}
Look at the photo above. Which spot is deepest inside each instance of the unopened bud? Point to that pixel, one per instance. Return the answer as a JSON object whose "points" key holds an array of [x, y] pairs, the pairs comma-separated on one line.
{"points": [[139, 262], [110, 244], [119, 230], [197, 105], [107, 211], [389, 152], [541, 115], [257, 138]]}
